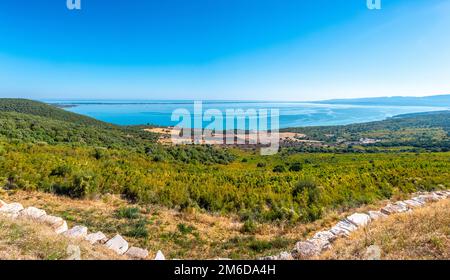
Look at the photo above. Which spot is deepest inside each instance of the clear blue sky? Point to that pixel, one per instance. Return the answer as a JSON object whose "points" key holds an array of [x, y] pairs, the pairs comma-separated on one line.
{"points": [[224, 49]]}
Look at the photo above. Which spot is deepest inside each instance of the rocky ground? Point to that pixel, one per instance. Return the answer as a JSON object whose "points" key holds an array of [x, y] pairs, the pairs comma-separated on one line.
{"points": [[32, 233]]}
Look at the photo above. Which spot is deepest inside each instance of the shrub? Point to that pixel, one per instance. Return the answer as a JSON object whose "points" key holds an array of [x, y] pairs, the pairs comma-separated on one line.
{"points": [[249, 226], [139, 229], [295, 167], [128, 213], [185, 229], [279, 169], [61, 171]]}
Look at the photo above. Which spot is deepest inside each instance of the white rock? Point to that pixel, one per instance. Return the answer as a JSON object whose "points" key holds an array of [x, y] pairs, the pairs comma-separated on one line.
{"points": [[306, 249], [285, 256], [77, 232], [428, 197], [375, 215], [343, 228], [97, 237], [393, 208], [268, 258], [160, 256], [325, 235], [440, 194], [402, 204], [137, 253], [56, 223], [61, 228], [117, 244], [419, 199], [412, 203], [32, 213], [73, 253], [359, 219], [11, 210], [322, 244]]}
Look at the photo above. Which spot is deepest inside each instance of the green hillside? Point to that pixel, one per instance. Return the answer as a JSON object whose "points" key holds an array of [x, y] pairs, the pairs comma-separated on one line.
{"points": [[427, 130], [37, 108], [32, 121]]}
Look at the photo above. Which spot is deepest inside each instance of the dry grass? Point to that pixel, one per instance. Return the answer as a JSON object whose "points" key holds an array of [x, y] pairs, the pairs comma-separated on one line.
{"points": [[186, 235], [26, 240], [421, 234]]}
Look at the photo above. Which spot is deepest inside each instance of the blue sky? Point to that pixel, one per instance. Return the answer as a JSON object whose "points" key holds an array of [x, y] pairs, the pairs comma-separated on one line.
{"points": [[224, 49]]}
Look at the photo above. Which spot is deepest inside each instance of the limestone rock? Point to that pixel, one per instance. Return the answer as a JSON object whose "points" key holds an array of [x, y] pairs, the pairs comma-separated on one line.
{"points": [[428, 197], [160, 256], [419, 200], [305, 250], [11, 210], [343, 228], [359, 220], [268, 258], [76, 232], [56, 223], [73, 253], [325, 235], [413, 204], [393, 208], [441, 194], [375, 215], [97, 237], [32, 213], [322, 244], [402, 204], [137, 253], [117, 244], [283, 256]]}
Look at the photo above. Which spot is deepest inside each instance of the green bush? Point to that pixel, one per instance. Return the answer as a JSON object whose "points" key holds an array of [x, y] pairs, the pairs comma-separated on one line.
{"points": [[128, 213], [279, 169], [249, 226]]}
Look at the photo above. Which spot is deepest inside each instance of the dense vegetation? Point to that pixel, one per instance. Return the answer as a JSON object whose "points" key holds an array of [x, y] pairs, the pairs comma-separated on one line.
{"points": [[307, 185], [33, 121], [85, 158], [422, 130]]}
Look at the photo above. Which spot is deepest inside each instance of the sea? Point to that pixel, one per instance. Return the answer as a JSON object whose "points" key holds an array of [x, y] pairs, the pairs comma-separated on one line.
{"points": [[291, 114]]}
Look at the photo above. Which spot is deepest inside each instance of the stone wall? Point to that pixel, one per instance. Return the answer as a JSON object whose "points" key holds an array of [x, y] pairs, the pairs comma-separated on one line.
{"points": [[323, 240], [312, 247], [117, 243]]}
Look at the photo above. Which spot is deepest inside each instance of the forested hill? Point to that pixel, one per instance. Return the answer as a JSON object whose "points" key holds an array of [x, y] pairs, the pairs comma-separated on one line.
{"points": [[431, 129], [37, 108], [33, 121], [433, 101]]}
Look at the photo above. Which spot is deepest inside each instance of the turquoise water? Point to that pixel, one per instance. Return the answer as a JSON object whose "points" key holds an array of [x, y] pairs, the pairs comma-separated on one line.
{"points": [[292, 114]]}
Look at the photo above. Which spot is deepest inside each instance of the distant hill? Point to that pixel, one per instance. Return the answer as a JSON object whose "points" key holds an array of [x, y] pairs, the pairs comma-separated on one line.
{"points": [[33, 121], [433, 101], [37, 108], [427, 130]]}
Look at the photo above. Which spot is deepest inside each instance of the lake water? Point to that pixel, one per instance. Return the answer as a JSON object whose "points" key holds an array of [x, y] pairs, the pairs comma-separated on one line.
{"points": [[292, 114]]}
